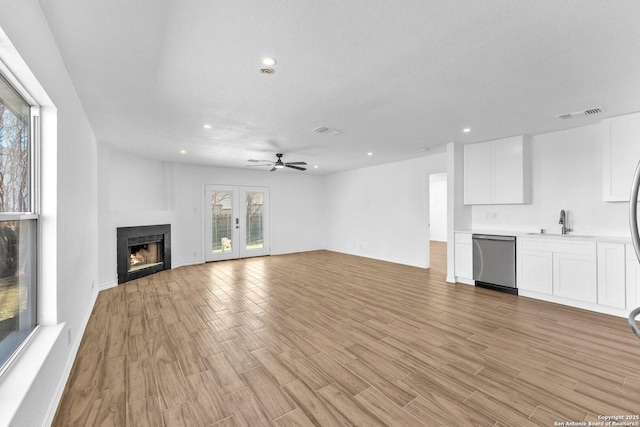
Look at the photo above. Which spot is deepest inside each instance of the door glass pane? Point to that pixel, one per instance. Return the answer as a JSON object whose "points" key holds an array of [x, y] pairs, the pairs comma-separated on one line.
{"points": [[255, 232], [221, 221]]}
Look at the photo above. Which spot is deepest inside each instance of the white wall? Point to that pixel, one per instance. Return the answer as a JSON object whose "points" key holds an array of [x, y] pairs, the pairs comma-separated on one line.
{"points": [[139, 191], [566, 169], [382, 212], [438, 206], [69, 219]]}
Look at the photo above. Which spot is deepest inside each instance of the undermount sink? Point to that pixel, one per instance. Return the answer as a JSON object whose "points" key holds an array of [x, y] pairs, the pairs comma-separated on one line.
{"points": [[575, 236]]}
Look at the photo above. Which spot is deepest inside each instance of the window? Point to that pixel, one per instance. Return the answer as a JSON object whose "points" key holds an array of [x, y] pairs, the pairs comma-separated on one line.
{"points": [[18, 221]]}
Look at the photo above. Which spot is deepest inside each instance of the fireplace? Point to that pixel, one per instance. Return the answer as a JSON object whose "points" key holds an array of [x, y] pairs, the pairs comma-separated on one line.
{"points": [[143, 251]]}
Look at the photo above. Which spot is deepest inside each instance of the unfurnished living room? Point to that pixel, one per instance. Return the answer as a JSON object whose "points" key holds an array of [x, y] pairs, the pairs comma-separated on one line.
{"points": [[318, 213]]}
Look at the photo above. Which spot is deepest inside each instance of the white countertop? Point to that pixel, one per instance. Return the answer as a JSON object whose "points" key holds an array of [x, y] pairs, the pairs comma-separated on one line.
{"points": [[538, 235]]}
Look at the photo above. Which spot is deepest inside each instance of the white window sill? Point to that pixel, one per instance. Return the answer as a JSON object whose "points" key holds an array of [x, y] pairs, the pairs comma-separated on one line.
{"points": [[18, 379]]}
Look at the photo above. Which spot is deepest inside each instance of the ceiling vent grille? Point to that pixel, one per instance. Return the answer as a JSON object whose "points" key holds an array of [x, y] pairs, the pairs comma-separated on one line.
{"points": [[327, 131], [589, 112]]}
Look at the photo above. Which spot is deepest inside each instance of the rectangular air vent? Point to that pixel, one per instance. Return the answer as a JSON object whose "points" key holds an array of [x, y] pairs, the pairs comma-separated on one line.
{"points": [[592, 111], [589, 112], [327, 131]]}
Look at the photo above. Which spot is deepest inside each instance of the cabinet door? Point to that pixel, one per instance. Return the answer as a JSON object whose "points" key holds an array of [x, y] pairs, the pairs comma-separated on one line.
{"points": [[464, 260], [611, 275], [477, 174], [622, 151], [535, 271], [632, 279], [574, 276], [508, 172]]}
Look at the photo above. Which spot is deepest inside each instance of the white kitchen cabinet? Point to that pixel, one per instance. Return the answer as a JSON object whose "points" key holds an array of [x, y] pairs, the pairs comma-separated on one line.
{"points": [[632, 279], [463, 265], [497, 172], [558, 266], [621, 155], [574, 276], [535, 271], [611, 274], [477, 174]]}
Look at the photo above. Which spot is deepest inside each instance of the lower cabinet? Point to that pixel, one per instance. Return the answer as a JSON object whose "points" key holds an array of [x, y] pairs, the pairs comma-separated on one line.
{"points": [[632, 279], [535, 271], [611, 275], [557, 266], [574, 276], [463, 265]]}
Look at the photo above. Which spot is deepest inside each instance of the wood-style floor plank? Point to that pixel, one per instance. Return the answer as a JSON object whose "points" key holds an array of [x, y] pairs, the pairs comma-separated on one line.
{"points": [[328, 339]]}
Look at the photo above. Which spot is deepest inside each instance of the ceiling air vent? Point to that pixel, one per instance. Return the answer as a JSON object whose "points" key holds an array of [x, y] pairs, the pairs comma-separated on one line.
{"points": [[565, 116], [589, 112], [327, 131], [593, 111]]}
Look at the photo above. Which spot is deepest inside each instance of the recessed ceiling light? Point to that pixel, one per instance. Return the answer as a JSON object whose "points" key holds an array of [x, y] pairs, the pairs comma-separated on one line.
{"points": [[466, 130], [268, 61], [207, 126], [183, 151], [369, 153], [315, 166]]}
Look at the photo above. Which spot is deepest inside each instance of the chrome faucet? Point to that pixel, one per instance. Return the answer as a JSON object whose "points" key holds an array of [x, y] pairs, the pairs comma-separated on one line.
{"points": [[564, 220]]}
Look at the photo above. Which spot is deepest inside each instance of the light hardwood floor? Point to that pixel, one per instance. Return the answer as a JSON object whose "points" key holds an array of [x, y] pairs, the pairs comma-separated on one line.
{"points": [[322, 338]]}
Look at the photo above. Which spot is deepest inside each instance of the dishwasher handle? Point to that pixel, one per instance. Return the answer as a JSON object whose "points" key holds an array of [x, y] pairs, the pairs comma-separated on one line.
{"points": [[493, 237]]}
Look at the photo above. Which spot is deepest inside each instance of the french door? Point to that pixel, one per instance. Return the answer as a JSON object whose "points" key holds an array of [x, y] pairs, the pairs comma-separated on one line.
{"points": [[236, 222]]}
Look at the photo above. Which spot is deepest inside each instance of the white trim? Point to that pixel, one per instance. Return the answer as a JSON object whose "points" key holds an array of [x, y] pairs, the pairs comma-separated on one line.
{"points": [[19, 378], [108, 285], [55, 401], [598, 308]]}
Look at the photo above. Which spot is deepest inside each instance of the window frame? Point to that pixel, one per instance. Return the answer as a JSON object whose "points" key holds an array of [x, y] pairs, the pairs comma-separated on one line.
{"points": [[33, 214]]}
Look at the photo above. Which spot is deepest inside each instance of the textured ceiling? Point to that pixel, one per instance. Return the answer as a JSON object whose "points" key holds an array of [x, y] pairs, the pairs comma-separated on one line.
{"points": [[394, 77]]}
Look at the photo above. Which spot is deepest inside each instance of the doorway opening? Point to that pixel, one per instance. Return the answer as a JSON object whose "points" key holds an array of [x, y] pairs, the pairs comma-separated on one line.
{"points": [[438, 221]]}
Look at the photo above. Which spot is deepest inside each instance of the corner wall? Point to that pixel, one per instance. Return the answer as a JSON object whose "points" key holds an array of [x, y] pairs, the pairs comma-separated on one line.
{"points": [[135, 190], [382, 212]]}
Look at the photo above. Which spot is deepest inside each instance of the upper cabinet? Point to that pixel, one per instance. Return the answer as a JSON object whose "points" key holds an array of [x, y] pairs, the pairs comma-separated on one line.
{"points": [[497, 172], [621, 155]]}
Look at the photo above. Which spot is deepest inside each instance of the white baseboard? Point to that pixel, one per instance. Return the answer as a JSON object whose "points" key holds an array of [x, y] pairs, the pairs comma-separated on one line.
{"points": [[107, 285], [410, 263], [55, 401]]}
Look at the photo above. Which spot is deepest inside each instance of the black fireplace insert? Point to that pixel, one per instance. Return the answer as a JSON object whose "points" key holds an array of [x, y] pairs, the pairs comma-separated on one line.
{"points": [[142, 251]]}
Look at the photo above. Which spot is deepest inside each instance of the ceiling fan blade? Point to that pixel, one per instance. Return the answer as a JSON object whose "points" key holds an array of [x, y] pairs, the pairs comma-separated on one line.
{"points": [[294, 167], [296, 163], [253, 166], [256, 161], [274, 169]]}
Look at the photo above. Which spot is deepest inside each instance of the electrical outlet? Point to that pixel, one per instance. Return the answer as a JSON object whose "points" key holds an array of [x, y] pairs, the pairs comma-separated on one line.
{"points": [[69, 336], [93, 284], [195, 254]]}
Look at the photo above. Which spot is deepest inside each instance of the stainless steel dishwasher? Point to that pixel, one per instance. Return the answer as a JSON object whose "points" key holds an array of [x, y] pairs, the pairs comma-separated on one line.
{"points": [[494, 262]]}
